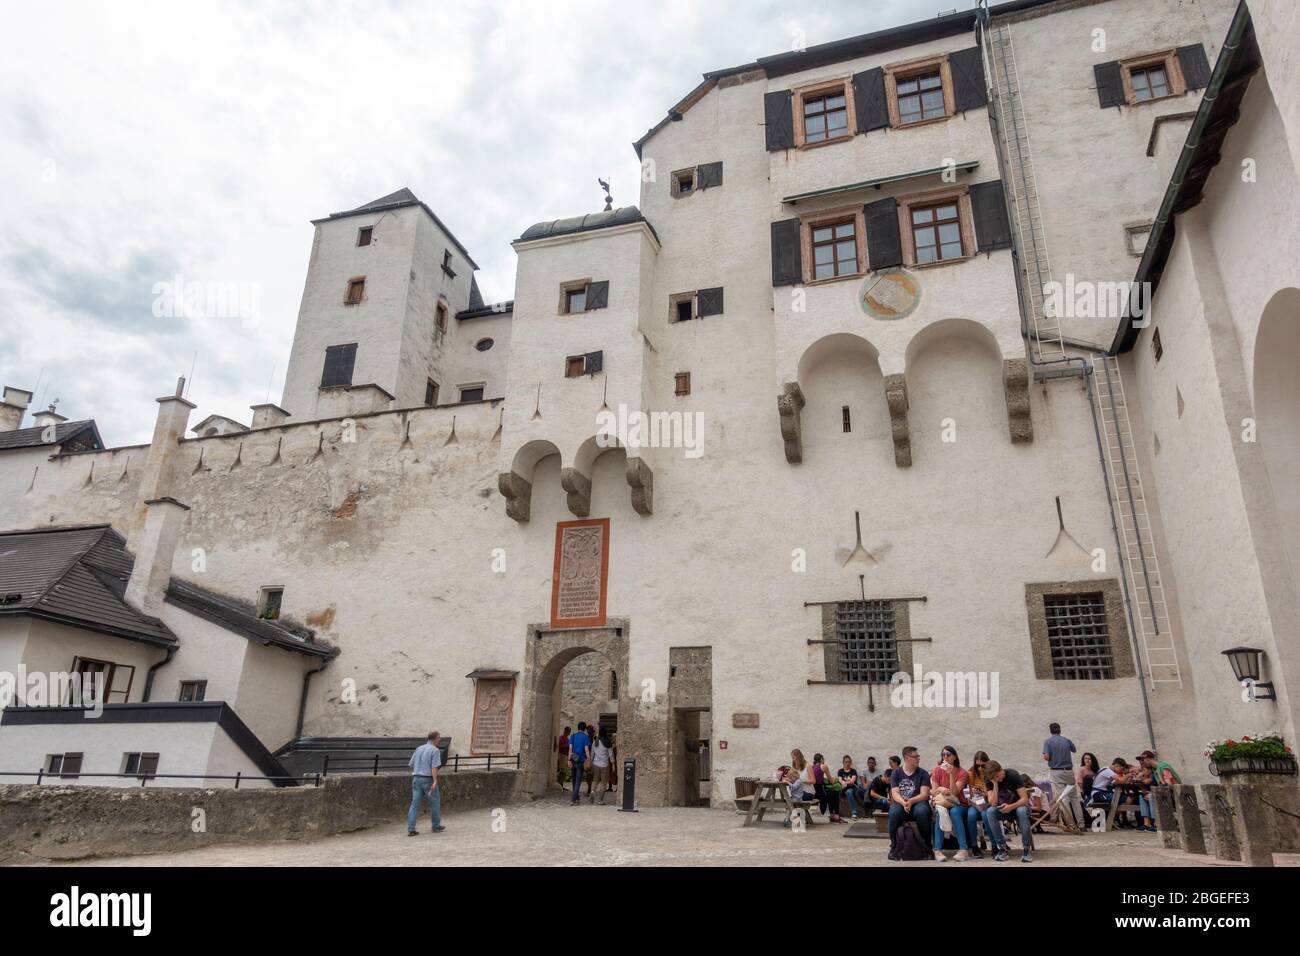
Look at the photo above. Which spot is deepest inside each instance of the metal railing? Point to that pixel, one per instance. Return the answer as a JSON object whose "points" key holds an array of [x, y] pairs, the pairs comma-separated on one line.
{"points": [[57, 776]]}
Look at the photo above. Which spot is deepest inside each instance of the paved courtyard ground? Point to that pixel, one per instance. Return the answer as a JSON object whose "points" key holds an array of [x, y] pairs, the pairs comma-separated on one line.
{"points": [[551, 833]]}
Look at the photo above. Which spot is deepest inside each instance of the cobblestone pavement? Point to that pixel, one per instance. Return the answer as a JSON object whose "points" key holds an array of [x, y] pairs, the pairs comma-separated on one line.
{"points": [[551, 833]]}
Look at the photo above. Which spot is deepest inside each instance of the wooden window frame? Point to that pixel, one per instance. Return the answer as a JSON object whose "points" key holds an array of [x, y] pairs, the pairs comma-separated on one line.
{"points": [[830, 217], [677, 298], [109, 670], [140, 757], [355, 281], [1168, 60], [430, 393], [933, 197], [569, 361], [576, 285], [200, 685], [905, 70], [681, 384], [62, 773], [263, 595], [469, 387], [365, 236], [440, 313], [838, 86], [675, 182]]}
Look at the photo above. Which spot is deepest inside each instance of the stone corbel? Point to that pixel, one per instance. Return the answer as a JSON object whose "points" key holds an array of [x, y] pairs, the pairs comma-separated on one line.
{"points": [[641, 479], [896, 398], [578, 486], [518, 493], [788, 405], [1015, 382]]}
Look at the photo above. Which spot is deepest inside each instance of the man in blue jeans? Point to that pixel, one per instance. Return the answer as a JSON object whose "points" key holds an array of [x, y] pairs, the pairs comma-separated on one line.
{"points": [[1011, 800], [909, 797], [579, 751], [424, 783]]}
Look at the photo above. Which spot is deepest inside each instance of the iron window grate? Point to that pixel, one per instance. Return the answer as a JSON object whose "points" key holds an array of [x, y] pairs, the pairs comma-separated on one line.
{"points": [[1079, 636], [866, 641]]}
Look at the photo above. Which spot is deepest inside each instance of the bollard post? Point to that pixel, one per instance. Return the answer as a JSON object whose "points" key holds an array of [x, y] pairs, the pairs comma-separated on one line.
{"points": [[629, 786]]}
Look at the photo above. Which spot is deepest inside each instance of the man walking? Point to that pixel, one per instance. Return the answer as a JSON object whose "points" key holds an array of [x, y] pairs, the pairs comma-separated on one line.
{"points": [[424, 784], [1059, 751], [579, 751]]}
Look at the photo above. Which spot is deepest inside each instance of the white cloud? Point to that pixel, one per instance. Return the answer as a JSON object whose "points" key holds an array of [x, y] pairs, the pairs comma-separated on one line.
{"points": [[142, 141]]}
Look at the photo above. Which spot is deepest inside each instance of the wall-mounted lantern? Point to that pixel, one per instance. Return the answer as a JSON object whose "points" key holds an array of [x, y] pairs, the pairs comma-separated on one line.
{"points": [[1245, 663]]}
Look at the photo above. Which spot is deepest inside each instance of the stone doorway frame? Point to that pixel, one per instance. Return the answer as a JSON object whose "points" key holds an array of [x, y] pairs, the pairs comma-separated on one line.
{"points": [[549, 650]]}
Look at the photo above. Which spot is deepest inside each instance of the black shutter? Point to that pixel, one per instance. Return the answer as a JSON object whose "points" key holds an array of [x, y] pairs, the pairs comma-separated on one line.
{"points": [[593, 362], [869, 100], [968, 87], [787, 264], [339, 360], [597, 295], [708, 302], [989, 207], [778, 115], [1196, 66], [708, 174], [884, 244], [1110, 85]]}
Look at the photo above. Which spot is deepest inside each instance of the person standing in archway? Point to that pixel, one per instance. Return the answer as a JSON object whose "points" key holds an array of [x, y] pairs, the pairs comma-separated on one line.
{"points": [[562, 756], [579, 754], [600, 757]]}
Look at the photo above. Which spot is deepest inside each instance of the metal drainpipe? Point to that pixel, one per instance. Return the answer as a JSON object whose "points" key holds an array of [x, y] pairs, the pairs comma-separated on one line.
{"points": [[148, 677], [302, 703], [1084, 371]]}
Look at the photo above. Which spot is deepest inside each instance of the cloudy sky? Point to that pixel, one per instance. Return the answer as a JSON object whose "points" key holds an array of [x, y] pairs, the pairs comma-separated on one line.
{"points": [[144, 142]]}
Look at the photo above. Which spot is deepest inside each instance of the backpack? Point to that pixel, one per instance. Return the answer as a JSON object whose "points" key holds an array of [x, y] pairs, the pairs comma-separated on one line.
{"points": [[908, 843]]}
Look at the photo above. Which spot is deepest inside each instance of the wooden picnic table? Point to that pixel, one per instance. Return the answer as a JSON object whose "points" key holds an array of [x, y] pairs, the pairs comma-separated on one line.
{"points": [[770, 795]]}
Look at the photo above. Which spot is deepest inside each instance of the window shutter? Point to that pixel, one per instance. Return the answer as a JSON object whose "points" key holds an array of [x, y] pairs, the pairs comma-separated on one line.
{"points": [[869, 99], [708, 174], [778, 115], [1110, 85], [597, 295], [884, 243], [339, 361], [968, 85], [708, 302], [593, 362], [71, 764], [787, 264], [989, 207], [1196, 66]]}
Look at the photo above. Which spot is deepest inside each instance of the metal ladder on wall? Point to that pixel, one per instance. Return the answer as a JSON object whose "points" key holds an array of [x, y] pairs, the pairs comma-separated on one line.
{"points": [[1026, 221], [1151, 614]]}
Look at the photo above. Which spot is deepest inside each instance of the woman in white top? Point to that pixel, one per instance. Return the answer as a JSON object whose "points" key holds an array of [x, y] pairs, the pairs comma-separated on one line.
{"points": [[600, 754]]}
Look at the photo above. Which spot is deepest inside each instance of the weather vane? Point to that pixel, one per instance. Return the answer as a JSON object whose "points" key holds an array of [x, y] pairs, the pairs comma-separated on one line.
{"points": [[609, 200]]}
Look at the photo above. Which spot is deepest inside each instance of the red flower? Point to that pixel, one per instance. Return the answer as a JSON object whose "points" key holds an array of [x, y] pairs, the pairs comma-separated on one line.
{"points": [[1244, 738], [1227, 743]]}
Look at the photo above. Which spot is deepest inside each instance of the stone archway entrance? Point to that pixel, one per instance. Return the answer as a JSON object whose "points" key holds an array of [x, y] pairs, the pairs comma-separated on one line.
{"points": [[547, 654]]}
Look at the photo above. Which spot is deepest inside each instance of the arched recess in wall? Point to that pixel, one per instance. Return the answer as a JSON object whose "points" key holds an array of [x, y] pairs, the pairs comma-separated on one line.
{"points": [[845, 413], [955, 389], [1277, 413], [592, 470], [516, 485]]}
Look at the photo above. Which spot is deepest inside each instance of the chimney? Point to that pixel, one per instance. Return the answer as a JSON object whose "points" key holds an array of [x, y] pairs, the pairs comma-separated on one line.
{"points": [[153, 555], [268, 415], [156, 479], [48, 417], [13, 408]]}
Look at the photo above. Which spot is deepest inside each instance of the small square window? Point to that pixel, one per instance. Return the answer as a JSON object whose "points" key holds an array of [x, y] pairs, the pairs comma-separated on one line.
{"points": [[364, 235], [835, 249], [1136, 236], [825, 117], [193, 691], [683, 182], [920, 97], [1149, 83], [682, 385], [1078, 636], [575, 300], [936, 232], [356, 291], [67, 765], [431, 392], [471, 393], [142, 765], [684, 308], [574, 366], [268, 603]]}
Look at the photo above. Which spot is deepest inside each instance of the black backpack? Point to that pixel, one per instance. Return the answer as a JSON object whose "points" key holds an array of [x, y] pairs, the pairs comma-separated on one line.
{"points": [[908, 843]]}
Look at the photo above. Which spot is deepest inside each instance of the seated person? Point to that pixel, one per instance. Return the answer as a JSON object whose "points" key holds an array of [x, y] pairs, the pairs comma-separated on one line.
{"points": [[949, 782], [800, 778], [877, 792], [851, 784], [1152, 772], [1106, 781], [909, 791], [1011, 800]]}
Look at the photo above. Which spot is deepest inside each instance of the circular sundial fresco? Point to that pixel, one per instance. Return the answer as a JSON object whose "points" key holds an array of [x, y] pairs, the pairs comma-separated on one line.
{"points": [[890, 294]]}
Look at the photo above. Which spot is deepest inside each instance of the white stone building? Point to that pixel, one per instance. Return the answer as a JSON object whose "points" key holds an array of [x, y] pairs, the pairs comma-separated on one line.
{"points": [[888, 447]]}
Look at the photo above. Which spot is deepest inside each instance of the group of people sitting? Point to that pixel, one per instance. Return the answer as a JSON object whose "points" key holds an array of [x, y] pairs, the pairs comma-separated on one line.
{"points": [[926, 807]]}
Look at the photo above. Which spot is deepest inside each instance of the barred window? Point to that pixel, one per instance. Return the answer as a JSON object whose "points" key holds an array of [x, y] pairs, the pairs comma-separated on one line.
{"points": [[1078, 636], [866, 639]]}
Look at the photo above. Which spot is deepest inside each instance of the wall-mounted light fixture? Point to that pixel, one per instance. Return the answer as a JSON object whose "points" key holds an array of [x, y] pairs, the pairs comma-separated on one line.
{"points": [[1245, 663]]}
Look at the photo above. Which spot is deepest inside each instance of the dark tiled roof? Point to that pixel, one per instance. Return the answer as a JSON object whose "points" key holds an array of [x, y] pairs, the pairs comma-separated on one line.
{"points": [[396, 200], [78, 576], [587, 223], [74, 576], [64, 433]]}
